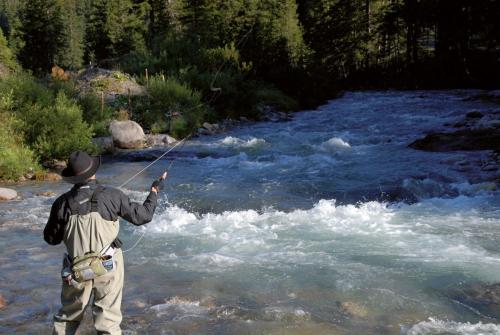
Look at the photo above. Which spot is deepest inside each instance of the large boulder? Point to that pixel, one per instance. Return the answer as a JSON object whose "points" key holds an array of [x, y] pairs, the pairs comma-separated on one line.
{"points": [[127, 134], [109, 83], [7, 194]]}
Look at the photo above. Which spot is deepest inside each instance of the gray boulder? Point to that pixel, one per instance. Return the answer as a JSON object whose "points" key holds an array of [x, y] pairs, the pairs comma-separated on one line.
{"points": [[159, 139], [127, 134], [7, 194]]}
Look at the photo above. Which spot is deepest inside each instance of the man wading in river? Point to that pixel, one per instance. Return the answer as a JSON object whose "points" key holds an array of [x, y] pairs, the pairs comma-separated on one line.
{"points": [[86, 220]]}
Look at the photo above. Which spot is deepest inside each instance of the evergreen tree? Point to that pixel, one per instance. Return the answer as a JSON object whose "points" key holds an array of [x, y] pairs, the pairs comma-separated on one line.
{"points": [[126, 26], [96, 39], [10, 23], [43, 34], [71, 54]]}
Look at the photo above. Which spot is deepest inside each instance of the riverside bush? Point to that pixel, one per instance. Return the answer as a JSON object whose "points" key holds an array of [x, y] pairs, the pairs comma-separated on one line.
{"points": [[16, 158], [7, 58], [93, 115], [52, 122], [169, 98], [62, 130]]}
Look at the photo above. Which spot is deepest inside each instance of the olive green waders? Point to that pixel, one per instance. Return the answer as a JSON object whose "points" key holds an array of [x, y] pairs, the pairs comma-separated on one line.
{"points": [[84, 233]]}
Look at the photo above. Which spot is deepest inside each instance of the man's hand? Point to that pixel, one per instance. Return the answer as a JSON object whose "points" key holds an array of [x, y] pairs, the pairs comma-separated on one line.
{"points": [[158, 183]]}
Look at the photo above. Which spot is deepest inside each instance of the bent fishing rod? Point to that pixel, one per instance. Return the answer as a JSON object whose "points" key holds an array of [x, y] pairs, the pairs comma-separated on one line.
{"points": [[156, 160], [181, 143]]}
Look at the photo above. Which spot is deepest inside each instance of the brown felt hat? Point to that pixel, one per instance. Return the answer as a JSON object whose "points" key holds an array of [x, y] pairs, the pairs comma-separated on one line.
{"points": [[81, 166]]}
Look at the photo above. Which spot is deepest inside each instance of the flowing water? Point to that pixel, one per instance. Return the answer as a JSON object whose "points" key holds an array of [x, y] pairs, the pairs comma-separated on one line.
{"points": [[327, 224]]}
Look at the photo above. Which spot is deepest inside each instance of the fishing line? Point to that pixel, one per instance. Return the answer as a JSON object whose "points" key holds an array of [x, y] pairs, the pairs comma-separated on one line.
{"points": [[216, 92], [156, 160], [183, 141]]}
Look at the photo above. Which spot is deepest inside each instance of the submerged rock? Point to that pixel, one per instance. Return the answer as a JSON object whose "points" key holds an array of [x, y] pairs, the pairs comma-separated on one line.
{"points": [[3, 303], [7, 194], [353, 309], [484, 298], [127, 134], [465, 140]]}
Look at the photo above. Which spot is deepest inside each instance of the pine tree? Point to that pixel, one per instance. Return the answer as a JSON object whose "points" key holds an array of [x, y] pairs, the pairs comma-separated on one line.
{"points": [[126, 26], [71, 54], [43, 34], [10, 23], [96, 39]]}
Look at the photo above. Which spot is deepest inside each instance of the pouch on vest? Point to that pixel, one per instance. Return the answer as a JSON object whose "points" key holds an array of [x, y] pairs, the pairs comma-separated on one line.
{"points": [[88, 266]]}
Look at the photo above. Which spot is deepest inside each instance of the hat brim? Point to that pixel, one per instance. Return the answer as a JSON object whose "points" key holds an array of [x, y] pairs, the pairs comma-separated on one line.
{"points": [[72, 179]]}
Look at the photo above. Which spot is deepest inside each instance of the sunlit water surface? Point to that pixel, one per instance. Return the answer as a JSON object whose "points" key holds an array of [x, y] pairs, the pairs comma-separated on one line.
{"points": [[327, 224]]}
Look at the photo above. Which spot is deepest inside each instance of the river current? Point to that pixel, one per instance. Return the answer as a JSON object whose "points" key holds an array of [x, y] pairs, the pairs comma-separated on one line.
{"points": [[325, 224]]}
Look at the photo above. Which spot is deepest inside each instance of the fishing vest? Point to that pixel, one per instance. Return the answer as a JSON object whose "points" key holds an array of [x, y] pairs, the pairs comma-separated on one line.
{"points": [[86, 231]]}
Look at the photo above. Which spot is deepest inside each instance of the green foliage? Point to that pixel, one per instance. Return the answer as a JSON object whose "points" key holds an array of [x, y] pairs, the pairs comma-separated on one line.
{"points": [[16, 158], [6, 56], [93, 115], [115, 28], [61, 130], [53, 124], [169, 98], [43, 34], [10, 23], [70, 56]]}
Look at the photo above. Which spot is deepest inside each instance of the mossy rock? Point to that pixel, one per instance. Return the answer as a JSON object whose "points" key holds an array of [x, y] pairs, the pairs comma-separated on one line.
{"points": [[112, 84]]}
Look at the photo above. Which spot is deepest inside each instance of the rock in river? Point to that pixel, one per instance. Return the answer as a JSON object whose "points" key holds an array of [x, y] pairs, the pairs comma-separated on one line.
{"points": [[127, 134], [7, 194], [466, 140]]}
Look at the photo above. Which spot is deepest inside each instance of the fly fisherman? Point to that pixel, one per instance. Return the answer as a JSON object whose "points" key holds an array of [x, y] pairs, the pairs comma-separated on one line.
{"points": [[86, 220]]}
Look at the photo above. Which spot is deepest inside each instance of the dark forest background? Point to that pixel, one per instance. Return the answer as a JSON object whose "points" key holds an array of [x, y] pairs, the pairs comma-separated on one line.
{"points": [[227, 59]]}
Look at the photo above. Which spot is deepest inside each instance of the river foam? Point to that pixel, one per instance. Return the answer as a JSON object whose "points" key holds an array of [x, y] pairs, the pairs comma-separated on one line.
{"points": [[437, 327]]}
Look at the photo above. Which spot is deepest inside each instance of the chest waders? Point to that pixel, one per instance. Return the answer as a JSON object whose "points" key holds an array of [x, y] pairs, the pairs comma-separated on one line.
{"points": [[90, 240]]}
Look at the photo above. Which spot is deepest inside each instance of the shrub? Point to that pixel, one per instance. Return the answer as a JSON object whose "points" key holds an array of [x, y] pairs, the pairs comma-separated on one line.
{"points": [[93, 115], [53, 124], [7, 58], [171, 97], [16, 158], [62, 130]]}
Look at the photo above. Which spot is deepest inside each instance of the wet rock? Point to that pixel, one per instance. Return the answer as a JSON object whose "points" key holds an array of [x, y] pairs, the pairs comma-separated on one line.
{"points": [[485, 298], [474, 115], [285, 314], [7, 194], [127, 134], [159, 140], [105, 144], [3, 302], [209, 128], [48, 176], [45, 194], [55, 165], [351, 308], [465, 140]]}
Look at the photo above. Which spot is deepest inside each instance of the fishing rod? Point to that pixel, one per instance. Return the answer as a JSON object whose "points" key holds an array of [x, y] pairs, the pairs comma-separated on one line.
{"points": [[181, 143], [156, 160]]}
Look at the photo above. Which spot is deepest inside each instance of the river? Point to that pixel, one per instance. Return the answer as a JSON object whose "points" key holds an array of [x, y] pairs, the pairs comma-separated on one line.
{"points": [[326, 224]]}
